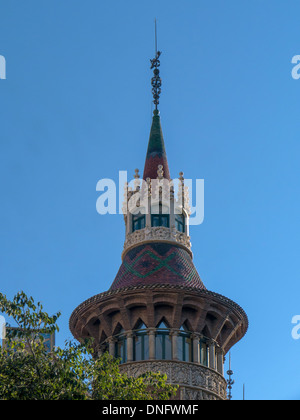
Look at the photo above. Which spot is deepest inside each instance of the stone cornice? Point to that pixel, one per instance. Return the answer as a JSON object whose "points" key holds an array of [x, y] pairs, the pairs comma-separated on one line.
{"points": [[77, 313], [157, 234]]}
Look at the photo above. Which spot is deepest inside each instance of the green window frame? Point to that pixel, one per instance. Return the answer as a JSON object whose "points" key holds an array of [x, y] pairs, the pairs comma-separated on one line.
{"points": [[180, 222], [138, 222], [121, 348], [163, 343], [141, 344], [185, 348], [158, 220], [203, 352]]}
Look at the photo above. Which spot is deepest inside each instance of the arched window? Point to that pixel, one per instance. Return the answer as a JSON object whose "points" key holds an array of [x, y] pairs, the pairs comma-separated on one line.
{"points": [[203, 352], [141, 343], [138, 222], [121, 347], [163, 343], [185, 348]]}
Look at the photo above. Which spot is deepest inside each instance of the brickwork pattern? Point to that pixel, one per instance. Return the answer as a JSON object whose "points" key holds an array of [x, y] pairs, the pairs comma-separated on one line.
{"points": [[157, 263]]}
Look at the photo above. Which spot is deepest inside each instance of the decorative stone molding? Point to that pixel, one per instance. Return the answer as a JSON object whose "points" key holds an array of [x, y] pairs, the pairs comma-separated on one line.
{"points": [[196, 382], [99, 315], [157, 234], [151, 188]]}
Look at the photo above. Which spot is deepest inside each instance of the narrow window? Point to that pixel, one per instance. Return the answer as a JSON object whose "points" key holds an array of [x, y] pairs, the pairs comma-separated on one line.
{"points": [[203, 353], [121, 347], [185, 348], [141, 343], [163, 343], [138, 222], [160, 219], [180, 222]]}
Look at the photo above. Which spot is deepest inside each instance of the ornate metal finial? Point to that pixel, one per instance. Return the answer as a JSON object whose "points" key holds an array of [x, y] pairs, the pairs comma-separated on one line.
{"points": [[230, 381], [156, 80]]}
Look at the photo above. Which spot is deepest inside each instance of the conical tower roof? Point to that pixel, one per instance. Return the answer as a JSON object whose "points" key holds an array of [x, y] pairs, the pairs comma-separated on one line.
{"points": [[156, 153], [157, 263]]}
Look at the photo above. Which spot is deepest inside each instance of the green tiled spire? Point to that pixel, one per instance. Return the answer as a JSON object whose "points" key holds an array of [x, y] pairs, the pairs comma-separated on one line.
{"points": [[156, 153]]}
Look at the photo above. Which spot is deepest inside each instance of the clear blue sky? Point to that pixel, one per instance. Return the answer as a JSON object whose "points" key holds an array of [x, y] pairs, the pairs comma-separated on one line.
{"points": [[76, 108]]}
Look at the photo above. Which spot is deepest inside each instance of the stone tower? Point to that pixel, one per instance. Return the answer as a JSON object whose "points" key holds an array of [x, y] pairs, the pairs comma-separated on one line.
{"points": [[158, 315]]}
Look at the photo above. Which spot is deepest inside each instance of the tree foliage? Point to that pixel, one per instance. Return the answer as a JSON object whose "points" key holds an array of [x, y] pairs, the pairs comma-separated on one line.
{"points": [[29, 371]]}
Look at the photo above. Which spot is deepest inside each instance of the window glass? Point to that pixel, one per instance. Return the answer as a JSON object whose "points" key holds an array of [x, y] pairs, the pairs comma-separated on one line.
{"points": [[163, 346], [162, 326], [146, 348], [121, 349], [159, 345], [141, 326], [168, 348], [185, 345], [138, 222], [188, 350], [163, 343], [138, 348], [203, 353], [180, 222], [164, 220], [155, 221], [180, 345], [160, 220], [141, 343]]}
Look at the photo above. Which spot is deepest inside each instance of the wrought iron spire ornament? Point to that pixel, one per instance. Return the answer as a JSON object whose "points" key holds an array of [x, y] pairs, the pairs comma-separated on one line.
{"points": [[230, 381], [156, 80]]}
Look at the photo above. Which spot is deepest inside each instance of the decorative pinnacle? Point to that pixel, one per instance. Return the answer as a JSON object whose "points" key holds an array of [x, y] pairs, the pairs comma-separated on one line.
{"points": [[230, 381], [160, 172], [136, 180], [156, 80]]}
